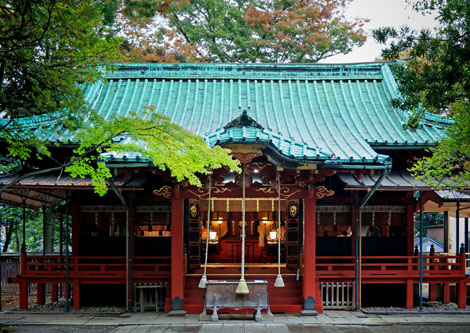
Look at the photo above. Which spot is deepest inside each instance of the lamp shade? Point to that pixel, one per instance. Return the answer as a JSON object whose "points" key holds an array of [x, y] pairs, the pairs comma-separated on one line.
{"points": [[213, 235], [273, 234]]}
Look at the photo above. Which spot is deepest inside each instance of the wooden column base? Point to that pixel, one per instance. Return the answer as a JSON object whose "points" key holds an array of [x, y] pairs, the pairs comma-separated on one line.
{"points": [[23, 295], [409, 294], [462, 294], [76, 295], [54, 292], [432, 292], [446, 293], [41, 293]]}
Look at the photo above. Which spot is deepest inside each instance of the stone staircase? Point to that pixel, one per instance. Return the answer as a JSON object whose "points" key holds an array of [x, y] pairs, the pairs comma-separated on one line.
{"points": [[282, 300]]}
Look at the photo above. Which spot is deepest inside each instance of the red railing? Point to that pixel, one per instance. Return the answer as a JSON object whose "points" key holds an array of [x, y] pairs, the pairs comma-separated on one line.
{"points": [[391, 267], [95, 267], [159, 268]]}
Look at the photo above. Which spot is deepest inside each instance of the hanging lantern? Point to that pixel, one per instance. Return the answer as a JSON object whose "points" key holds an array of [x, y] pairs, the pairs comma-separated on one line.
{"points": [[273, 235]]}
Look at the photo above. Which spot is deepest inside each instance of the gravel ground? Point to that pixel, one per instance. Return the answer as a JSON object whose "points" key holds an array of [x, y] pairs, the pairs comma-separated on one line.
{"points": [[60, 307], [427, 307]]}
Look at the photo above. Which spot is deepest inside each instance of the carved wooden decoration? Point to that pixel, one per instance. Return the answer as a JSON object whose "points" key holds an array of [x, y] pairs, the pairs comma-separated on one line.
{"points": [[164, 191], [286, 192], [201, 193], [246, 157], [322, 191]]}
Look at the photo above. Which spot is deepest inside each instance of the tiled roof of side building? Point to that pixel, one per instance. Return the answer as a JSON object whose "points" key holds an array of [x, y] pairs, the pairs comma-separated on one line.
{"points": [[307, 111]]}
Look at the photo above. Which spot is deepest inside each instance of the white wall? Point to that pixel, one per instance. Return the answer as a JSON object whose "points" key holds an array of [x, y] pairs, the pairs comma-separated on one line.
{"points": [[452, 234]]}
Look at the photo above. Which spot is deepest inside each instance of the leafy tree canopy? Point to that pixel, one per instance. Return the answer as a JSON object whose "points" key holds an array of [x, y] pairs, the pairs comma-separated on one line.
{"points": [[49, 50], [436, 78], [238, 31]]}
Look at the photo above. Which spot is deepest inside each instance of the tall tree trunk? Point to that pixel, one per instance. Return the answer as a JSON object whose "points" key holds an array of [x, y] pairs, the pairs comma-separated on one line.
{"points": [[17, 238], [8, 232], [50, 226]]}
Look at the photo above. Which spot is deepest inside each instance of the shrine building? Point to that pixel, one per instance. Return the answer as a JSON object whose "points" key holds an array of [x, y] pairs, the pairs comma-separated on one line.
{"points": [[325, 194]]}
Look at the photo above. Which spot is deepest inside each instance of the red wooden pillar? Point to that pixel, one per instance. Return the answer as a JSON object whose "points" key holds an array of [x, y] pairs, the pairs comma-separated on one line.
{"points": [[384, 229], [75, 215], [462, 286], [432, 286], [409, 230], [76, 294], [177, 258], [41, 293], [54, 293], [309, 256], [446, 293], [432, 292], [409, 294], [23, 295], [462, 296], [23, 284]]}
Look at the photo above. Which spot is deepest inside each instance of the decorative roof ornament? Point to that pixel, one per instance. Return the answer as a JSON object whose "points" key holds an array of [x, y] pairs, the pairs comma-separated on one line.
{"points": [[243, 121]]}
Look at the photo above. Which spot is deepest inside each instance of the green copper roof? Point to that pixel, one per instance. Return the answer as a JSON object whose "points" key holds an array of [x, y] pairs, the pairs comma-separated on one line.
{"points": [[306, 112]]}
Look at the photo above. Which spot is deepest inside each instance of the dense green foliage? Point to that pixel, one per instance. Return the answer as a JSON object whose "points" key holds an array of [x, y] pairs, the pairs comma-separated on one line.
{"points": [[46, 48], [49, 50], [238, 31], [437, 79], [11, 226]]}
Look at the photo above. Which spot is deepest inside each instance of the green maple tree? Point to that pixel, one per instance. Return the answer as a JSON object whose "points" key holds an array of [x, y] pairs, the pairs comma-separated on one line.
{"points": [[49, 51]]}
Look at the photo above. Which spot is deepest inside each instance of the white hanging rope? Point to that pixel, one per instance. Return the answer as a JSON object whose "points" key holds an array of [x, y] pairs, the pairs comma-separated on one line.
{"points": [[279, 281], [203, 281], [242, 287]]}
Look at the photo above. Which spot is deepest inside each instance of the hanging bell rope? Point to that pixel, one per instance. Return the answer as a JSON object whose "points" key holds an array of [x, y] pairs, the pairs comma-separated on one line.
{"points": [[203, 281], [242, 287], [279, 281]]}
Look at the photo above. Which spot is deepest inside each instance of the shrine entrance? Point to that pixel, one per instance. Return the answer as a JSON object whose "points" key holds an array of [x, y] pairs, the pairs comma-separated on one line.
{"points": [[225, 230]]}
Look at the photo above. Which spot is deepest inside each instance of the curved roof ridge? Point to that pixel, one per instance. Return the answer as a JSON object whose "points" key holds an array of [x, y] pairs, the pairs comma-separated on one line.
{"points": [[253, 134]]}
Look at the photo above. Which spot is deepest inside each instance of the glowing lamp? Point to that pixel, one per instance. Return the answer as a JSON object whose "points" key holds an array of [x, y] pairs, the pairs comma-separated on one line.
{"points": [[212, 235], [273, 234]]}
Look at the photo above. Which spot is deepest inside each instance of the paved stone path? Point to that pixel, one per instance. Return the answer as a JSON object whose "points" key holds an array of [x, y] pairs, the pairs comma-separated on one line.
{"points": [[330, 321]]}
